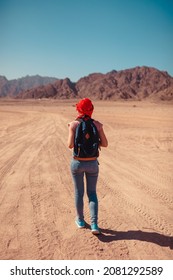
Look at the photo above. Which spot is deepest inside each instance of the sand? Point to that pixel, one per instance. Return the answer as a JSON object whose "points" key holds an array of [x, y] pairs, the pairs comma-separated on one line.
{"points": [[135, 186]]}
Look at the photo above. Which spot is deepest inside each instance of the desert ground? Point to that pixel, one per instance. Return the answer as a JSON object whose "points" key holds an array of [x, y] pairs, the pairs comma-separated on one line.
{"points": [[135, 186]]}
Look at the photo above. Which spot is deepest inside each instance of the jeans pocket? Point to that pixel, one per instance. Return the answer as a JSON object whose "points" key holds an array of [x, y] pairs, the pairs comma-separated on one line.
{"points": [[92, 167], [74, 166]]}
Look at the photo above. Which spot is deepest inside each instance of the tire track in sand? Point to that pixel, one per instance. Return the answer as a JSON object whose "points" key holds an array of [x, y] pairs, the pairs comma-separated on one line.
{"points": [[158, 221]]}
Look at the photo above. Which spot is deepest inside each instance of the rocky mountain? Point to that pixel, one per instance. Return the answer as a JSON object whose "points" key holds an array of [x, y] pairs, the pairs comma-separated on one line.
{"points": [[12, 88], [136, 84], [62, 89]]}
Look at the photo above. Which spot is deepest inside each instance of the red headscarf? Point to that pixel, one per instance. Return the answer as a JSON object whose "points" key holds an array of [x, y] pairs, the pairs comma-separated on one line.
{"points": [[84, 107]]}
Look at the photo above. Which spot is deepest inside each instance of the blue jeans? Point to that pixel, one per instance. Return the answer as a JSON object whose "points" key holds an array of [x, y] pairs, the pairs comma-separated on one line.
{"points": [[90, 169]]}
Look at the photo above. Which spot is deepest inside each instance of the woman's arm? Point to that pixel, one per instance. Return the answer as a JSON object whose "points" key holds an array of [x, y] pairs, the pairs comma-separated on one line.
{"points": [[70, 137], [103, 139]]}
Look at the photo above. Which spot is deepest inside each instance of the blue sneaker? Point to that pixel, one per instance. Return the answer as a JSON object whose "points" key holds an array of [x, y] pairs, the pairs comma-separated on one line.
{"points": [[80, 223], [95, 229]]}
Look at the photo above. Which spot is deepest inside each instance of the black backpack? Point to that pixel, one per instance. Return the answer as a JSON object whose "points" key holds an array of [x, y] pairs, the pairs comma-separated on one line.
{"points": [[86, 142]]}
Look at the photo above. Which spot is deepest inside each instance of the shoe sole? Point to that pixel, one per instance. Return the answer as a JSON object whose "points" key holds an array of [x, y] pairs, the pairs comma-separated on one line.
{"points": [[95, 232], [79, 225]]}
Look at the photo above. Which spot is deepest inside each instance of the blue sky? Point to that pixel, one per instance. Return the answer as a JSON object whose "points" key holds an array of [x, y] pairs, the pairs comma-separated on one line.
{"points": [[73, 38]]}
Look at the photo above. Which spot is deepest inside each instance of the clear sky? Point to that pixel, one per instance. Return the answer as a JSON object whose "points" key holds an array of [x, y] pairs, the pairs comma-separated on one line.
{"points": [[73, 38]]}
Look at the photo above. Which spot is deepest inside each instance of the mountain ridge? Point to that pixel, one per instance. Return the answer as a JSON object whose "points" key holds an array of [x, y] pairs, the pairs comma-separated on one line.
{"points": [[11, 88], [136, 83]]}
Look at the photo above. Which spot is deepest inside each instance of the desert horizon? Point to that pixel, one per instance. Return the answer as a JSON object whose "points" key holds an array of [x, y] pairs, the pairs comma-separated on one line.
{"points": [[135, 185]]}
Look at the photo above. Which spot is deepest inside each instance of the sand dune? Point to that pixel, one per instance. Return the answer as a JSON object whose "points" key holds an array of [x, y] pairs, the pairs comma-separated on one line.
{"points": [[135, 187]]}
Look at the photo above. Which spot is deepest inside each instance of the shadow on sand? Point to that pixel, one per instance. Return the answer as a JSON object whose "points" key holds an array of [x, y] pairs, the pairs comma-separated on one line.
{"points": [[108, 235]]}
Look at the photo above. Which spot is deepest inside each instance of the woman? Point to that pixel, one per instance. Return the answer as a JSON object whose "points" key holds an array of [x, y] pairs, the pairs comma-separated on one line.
{"points": [[85, 166]]}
